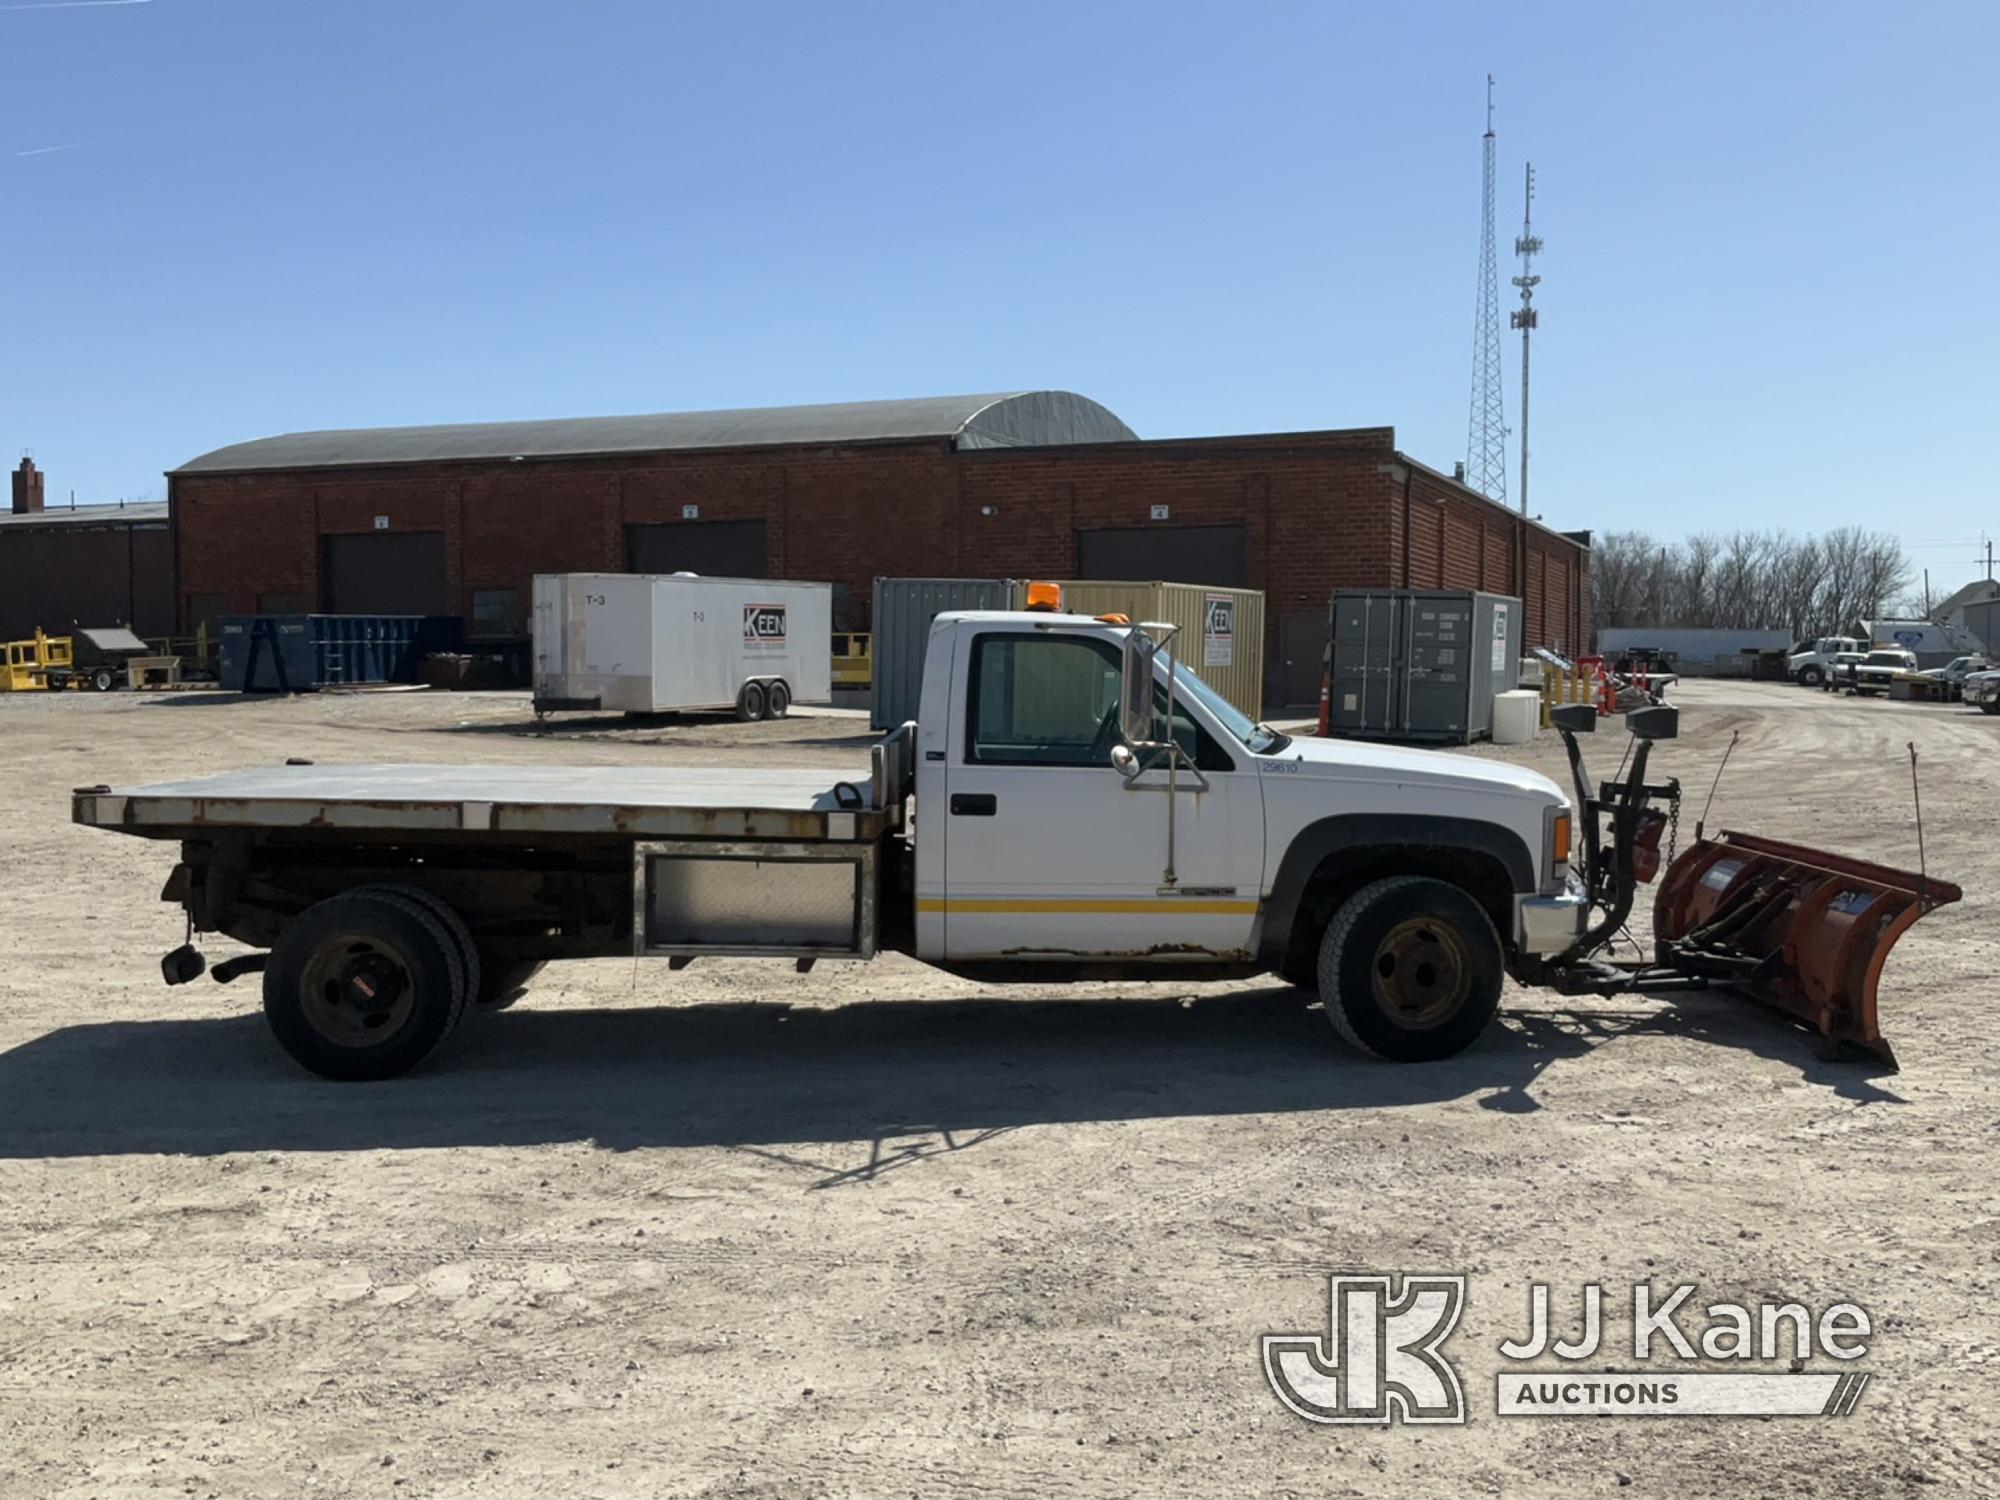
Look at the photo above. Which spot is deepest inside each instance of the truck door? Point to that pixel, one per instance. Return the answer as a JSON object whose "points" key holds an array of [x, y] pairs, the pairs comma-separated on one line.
{"points": [[1049, 854]]}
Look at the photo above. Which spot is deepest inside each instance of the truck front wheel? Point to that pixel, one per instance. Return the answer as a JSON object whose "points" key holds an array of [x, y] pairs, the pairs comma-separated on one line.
{"points": [[364, 986], [1811, 676], [1410, 969]]}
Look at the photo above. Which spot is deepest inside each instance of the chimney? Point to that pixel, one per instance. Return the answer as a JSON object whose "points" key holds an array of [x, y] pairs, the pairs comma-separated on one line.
{"points": [[27, 488]]}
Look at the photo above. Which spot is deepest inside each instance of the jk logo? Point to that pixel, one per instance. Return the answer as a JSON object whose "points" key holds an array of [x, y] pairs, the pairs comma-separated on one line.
{"points": [[1378, 1362]]}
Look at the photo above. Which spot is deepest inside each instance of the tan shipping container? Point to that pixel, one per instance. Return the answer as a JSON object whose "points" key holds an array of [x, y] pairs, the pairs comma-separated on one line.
{"points": [[1221, 630]]}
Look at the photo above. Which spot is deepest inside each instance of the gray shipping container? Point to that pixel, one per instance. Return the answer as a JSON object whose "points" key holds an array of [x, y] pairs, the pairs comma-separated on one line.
{"points": [[901, 622], [1420, 664]]}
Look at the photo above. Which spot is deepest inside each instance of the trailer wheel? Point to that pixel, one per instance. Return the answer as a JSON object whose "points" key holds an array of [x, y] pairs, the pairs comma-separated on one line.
{"points": [[750, 702], [504, 984], [1410, 969], [364, 986], [777, 699]]}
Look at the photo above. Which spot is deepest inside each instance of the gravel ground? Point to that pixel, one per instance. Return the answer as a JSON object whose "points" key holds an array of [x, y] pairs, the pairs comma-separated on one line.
{"points": [[878, 1231]]}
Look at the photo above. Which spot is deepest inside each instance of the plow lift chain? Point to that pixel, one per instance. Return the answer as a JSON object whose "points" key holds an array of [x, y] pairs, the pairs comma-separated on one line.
{"points": [[1799, 930]]}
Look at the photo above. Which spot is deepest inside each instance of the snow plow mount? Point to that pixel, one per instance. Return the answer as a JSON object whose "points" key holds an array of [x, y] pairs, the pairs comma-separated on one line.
{"points": [[1802, 931]]}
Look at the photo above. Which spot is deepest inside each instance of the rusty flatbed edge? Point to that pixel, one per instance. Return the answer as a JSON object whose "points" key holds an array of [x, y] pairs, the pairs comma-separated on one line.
{"points": [[639, 801]]}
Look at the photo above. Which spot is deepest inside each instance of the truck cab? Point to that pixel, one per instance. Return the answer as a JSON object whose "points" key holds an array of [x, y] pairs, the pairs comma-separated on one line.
{"points": [[1051, 834]]}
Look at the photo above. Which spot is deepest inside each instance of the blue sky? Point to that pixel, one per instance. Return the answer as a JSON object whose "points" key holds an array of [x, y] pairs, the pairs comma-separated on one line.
{"points": [[1769, 289]]}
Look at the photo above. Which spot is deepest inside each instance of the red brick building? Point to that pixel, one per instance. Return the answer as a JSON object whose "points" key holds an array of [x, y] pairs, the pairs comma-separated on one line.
{"points": [[86, 566], [456, 520]]}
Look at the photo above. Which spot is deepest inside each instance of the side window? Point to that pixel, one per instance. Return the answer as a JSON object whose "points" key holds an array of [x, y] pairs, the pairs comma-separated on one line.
{"points": [[1042, 700]]}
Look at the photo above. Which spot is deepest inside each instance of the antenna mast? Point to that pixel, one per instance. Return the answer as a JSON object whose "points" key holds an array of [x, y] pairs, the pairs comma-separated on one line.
{"points": [[1486, 434], [1524, 318]]}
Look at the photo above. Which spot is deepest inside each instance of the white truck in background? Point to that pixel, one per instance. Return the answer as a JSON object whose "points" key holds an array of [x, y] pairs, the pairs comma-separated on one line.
{"points": [[650, 643], [1811, 662], [1070, 804]]}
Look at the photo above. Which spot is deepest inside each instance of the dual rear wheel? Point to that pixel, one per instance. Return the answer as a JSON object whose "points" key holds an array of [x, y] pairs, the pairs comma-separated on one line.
{"points": [[368, 984]]}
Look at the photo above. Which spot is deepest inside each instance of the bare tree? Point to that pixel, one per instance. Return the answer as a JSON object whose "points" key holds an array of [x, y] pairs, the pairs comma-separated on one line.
{"points": [[1808, 586]]}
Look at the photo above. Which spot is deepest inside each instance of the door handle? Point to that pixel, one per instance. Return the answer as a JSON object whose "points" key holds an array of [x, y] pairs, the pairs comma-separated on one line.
{"points": [[974, 804]]}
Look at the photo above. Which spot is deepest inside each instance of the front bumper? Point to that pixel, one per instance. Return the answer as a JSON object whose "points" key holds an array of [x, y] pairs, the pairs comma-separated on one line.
{"points": [[1549, 924]]}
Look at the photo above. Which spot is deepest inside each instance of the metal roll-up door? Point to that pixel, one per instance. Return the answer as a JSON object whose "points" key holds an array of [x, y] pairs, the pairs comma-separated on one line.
{"points": [[383, 573], [714, 549], [1167, 554]]}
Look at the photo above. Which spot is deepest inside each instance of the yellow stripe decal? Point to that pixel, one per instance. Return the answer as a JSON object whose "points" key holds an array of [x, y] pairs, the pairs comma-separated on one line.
{"points": [[1086, 905]]}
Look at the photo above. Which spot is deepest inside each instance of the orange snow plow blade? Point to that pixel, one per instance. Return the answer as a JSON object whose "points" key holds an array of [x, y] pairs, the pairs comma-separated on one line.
{"points": [[1798, 929]]}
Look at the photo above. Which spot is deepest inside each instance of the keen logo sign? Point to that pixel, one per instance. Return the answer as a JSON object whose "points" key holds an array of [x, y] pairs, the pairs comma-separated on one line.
{"points": [[764, 627], [1218, 631]]}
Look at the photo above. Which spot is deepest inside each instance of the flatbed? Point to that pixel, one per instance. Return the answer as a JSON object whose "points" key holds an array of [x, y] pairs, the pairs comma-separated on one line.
{"points": [[639, 801]]}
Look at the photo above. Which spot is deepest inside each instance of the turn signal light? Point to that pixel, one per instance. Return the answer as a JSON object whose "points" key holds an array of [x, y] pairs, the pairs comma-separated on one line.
{"points": [[1560, 844], [1045, 597], [1114, 619]]}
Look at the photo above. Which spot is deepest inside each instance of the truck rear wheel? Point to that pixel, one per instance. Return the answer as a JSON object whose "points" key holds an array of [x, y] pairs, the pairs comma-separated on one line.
{"points": [[364, 986], [750, 702], [1410, 969]]}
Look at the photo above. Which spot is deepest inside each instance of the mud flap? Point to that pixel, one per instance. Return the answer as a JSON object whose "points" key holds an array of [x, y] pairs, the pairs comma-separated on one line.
{"points": [[1798, 929]]}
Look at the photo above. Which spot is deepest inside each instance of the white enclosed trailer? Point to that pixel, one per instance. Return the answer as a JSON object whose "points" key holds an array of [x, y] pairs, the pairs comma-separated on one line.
{"points": [[645, 643]]}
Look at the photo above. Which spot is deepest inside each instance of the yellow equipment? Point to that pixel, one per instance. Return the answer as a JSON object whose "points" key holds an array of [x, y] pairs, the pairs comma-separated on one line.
{"points": [[853, 659], [30, 665]]}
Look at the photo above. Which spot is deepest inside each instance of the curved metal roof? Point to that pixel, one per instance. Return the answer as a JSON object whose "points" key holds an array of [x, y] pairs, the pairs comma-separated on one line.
{"points": [[1016, 419]]}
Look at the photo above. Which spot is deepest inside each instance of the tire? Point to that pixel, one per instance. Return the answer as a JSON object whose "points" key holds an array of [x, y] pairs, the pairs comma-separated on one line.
{"points": [[324, 986], [1989, 708], [506, 984], [1441, 985], [777, 698], [101, 680], [441, 910], [750, 703], [1811, 676]]}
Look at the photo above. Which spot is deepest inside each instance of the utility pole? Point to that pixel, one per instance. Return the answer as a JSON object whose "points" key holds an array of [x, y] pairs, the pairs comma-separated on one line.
{"points": [[1486, 431], [1524, 318]]}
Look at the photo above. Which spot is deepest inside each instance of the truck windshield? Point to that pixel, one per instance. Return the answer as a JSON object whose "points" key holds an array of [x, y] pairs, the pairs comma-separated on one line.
{"points": [[1258, 739]]}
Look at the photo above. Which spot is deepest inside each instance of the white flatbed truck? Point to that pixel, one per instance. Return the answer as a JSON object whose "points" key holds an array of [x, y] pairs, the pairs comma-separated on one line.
{"points": [[1044, 819]]}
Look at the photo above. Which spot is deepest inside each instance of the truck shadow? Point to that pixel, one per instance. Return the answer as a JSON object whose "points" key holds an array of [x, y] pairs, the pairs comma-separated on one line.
{"points": [[762, 1075]]}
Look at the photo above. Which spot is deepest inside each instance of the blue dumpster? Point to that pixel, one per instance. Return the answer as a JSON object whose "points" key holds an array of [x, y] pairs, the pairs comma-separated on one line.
{"points": [[300, 653]]}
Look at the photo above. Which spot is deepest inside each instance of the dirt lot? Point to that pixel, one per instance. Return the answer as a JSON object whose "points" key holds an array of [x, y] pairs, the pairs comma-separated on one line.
{"points": [[877, 1231]]}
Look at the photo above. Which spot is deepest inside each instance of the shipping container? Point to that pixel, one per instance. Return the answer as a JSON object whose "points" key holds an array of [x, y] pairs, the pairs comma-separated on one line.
{"points": [[645, 643], [302, 653], [901, 622], [1221, 634], [1419, 664]]}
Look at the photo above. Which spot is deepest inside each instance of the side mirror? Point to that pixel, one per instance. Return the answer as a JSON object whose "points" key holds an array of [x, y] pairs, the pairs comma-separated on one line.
{"points": [[1124, 762], [1135, 688]]}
